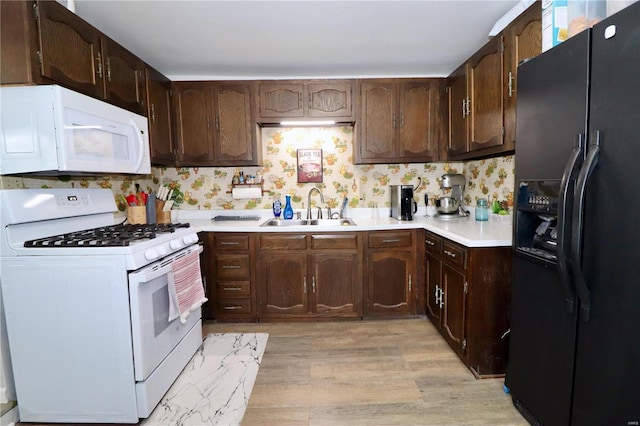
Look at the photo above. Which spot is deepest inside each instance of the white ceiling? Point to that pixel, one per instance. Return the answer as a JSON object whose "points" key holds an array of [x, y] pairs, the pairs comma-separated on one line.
{"points": [[191, 40]]}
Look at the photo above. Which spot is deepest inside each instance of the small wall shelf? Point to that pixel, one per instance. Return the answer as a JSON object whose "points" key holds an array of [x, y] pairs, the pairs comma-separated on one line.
{"points": [[248, 185]]}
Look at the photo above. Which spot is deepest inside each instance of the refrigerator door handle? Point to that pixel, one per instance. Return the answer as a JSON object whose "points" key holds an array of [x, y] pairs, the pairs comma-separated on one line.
{"points": [[578, 220], [566, 186]]}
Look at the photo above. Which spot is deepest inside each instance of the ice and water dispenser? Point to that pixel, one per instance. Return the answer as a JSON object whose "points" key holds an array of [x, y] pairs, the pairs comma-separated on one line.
{"points": [[536, 228]]}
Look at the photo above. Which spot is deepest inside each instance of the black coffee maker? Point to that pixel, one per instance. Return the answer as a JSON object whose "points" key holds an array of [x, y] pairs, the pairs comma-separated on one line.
{"points": [[402, 204]]}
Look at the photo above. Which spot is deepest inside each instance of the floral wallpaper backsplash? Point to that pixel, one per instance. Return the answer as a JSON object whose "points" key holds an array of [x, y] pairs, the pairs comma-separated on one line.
{"points": [[209, 188]]}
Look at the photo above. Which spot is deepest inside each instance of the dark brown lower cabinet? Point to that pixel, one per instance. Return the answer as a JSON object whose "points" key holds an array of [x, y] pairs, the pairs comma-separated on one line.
{"points": [[390, 277], [309, 276], [468, 299], [229, 270]]}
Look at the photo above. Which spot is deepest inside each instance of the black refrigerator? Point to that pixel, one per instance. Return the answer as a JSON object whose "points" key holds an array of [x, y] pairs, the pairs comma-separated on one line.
{"points": [[574, 356]]}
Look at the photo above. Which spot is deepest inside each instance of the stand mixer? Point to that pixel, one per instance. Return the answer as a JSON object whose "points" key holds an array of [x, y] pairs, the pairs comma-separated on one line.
{"points": [[451, 207]]}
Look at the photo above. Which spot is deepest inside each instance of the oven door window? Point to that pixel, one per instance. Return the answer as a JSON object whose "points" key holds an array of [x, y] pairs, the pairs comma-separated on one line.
{"points": [[154, 337]]}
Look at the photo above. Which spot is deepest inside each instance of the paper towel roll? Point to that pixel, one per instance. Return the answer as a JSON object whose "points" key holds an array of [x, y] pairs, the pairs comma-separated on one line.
{"points": [[247, 192]]}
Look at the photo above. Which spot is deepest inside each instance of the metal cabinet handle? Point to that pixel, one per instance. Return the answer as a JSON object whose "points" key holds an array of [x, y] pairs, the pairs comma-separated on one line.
{"points": [[468, 106], [99, 65], [230, 266], [510, 84], [229, 243], [431, 243], [109, 69], [447, 252], [304, 285], [464, 108], [391, 241], [232, 289], [441, 298], [313, 284], [232, 308], [153, 113], [409, 283]]}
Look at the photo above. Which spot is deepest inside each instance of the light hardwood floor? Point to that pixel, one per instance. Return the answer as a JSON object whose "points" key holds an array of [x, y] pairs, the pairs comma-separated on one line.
{"points": [[391, 372]]}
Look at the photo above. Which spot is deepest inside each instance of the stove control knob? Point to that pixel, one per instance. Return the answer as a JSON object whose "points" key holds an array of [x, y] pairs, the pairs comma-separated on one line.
{"points": [[190, 239], [175, 244], [151, 254], [162, 250]]}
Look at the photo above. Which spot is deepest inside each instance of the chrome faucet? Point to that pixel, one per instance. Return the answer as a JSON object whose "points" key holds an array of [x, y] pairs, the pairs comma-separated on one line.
{"points": [[309, 202]]}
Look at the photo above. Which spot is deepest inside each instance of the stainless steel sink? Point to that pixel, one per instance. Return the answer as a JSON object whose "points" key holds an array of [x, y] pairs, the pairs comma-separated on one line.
{"points": [[305, 222], [332, 222], [282, 222]]}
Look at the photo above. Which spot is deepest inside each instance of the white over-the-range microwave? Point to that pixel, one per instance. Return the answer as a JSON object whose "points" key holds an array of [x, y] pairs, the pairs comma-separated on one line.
{"points": [[53, 130]]}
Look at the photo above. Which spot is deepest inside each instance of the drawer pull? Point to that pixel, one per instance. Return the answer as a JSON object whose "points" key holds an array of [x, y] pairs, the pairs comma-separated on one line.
{"points": [[232, 289], [229, 243], [431, 243], [230, 267], [395, 240], [232, 308], [447, 252]]}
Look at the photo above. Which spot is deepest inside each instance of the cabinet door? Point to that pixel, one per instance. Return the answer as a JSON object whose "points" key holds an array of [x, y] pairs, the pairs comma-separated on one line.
{"points": [[234, 142], [123, 77], [284, 286], [458, 112], [523, 40], [159, 113], [281, 100], [454, 309], [330, 100], [334, 284], [193, 124], [390, 275], [433, 274], [376, 132], [70, 49], [415, 141], [485, 92]]}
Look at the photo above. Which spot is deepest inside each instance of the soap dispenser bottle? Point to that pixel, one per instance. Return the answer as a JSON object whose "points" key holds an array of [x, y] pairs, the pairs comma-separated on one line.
{"points": [[277, 208], [288, 210]]}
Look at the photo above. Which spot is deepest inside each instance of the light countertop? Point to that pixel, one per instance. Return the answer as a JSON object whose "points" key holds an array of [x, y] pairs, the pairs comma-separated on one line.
{"points": [[466, 231]]}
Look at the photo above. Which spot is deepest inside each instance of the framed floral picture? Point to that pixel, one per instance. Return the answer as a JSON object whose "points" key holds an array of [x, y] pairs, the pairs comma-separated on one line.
{"points": [[309, 165]]}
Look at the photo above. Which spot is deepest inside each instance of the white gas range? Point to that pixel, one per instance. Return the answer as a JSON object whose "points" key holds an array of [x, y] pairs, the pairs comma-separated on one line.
{"points": [[87, 305]]}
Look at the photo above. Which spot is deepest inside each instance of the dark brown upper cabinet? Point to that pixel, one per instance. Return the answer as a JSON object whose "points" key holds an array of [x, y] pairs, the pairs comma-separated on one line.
{"points": [[523, 40], [215, 124], [44, 43], [159, 115], [305, 100], [476, 125], [397, 121]]}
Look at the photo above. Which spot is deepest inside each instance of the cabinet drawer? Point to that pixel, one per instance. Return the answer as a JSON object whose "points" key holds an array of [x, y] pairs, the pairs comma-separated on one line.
{"points": [[231, 289], [283, 242], [454, 254], [234, 307], [433, 243], [383, 239], [334, 241], [233, 265], [231, 242]]}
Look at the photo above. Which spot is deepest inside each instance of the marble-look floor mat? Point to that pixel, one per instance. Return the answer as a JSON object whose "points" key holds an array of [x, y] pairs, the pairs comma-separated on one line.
{"points": [[215, 386]]}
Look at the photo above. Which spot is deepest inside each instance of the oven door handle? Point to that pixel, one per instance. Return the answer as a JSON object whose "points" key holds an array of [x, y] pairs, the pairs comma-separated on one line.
{"points": [[148, 274]]}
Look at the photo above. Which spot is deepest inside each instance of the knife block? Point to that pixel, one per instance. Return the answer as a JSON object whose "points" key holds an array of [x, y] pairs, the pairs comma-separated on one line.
{"points": [[137, 215]]}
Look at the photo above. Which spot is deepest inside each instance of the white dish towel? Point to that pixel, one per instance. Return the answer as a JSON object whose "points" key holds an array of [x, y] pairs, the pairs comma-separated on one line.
{"points": [[186, 291]]}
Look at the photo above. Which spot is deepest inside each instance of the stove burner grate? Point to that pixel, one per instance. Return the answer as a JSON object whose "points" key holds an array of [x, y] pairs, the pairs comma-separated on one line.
{"points": [[107, 236]]}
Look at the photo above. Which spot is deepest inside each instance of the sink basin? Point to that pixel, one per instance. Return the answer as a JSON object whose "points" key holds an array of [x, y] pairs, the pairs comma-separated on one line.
{"points": [[282, 222], [305, 222], [332, 222]]}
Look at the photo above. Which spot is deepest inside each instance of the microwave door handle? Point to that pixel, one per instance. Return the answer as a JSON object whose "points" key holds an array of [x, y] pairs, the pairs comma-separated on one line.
{"points": [[578, 221], [566, 187], [140, 145]]}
